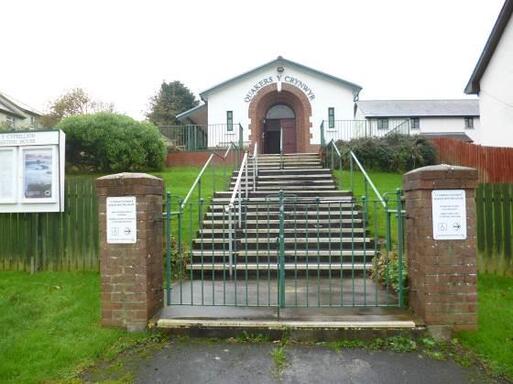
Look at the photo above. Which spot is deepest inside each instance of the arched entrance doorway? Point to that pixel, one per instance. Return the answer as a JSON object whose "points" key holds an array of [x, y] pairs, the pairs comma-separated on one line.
{"points": [[291, 108], [279, 130]]}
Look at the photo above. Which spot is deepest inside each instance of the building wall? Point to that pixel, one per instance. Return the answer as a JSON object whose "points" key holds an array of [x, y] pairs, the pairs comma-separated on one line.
{"points": [[496, 94], [19, 123], [450, 124], [431, 125], [326, 94]]}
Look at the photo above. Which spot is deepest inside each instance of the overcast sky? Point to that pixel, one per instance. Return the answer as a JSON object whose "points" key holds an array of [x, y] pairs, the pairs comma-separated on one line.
{"points": [[120, 51]]}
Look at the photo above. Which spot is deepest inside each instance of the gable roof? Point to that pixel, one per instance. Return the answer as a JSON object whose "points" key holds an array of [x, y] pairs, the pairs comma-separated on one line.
{"points": [[15, 107], [281, 61], [6, 108], [419, 108], [489, 48]]}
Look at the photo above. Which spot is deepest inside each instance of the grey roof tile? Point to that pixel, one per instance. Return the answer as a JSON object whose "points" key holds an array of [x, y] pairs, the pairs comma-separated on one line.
{"points": [[419, 108]]}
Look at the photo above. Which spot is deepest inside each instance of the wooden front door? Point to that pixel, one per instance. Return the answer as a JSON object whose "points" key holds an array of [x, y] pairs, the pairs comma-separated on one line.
{"points": [[288, 127]]}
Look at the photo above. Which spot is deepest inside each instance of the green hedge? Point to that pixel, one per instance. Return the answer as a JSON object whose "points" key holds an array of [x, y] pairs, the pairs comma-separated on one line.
{"points": [[391, 153], [109, 142]]}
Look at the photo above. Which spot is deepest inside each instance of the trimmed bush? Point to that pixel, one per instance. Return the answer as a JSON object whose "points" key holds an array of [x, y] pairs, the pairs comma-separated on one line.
{"points": [[109, 142], [391, 153]]}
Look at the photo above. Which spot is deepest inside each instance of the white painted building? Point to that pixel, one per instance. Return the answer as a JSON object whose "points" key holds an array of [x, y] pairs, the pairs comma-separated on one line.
{"points": [[279, 103], [15, 115], [492, 80], [432, 118]]}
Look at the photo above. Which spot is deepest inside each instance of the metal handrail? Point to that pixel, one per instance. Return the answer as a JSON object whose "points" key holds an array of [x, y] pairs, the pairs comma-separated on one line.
{"points": [[380, 198], [203, 169], [367, 178], [236, 188], [398, 127], [231, 206], [255, 165]]}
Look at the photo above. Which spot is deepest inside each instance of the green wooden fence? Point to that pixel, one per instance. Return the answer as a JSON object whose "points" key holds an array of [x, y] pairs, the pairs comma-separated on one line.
{"points": [[494, 203], [66, 241]]}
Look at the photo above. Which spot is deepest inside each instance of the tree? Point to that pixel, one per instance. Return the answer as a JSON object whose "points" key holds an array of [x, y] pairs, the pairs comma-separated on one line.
{"points": [[109, 142], [171, 99], [75, 102]]}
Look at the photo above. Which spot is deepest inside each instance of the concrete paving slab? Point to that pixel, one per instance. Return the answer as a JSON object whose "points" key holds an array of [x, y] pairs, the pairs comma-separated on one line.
{"points": [[201, 362], [300, 292]]}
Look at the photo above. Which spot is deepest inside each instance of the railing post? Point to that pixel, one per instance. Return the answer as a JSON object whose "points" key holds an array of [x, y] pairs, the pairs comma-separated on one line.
{"points": [[323, 139], [239, 195], [255, 166], [351, 172], [246, 176], [281, 254], [168, 248], [180, 211], [400, 245], [388, 227], [241, 136], [230, 241], [200, 213]]}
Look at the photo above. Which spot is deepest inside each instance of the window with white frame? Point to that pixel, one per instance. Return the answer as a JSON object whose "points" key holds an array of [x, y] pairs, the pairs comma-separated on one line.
{"points": [[331, 117], [229, 121], [469, 123], [382, 123], [415, 123]]}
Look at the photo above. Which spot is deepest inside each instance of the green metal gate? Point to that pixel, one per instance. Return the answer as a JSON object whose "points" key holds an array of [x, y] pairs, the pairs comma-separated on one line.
{"points": [[285, 251]]}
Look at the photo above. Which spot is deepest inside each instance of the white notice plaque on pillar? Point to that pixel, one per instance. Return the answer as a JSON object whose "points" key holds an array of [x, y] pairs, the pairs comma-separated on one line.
{"points": [[121, 220], [449, 214]]}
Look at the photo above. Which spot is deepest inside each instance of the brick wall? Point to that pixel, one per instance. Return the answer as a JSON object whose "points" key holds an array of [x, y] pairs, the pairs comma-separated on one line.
{"points": [[132, 274], [442, 273]]}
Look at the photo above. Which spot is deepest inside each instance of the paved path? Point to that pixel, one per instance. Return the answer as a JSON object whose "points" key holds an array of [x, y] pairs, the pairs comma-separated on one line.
{"points": [[221, 362]]}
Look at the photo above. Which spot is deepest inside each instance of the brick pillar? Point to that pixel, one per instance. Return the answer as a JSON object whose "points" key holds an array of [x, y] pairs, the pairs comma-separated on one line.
{"points": [[442, 273], [131, 272]]}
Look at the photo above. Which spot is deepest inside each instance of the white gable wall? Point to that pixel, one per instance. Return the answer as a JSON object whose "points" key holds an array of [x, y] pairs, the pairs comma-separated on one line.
{"points": [[328, 93], [496, 94]]}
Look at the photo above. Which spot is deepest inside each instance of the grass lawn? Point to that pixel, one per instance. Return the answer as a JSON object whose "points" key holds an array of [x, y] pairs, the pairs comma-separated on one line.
{"points": [[494, 339], [49, 326], [384, 182]]}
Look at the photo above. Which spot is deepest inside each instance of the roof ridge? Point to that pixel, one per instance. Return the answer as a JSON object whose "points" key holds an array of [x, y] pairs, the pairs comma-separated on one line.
{"points": [[281, 59], [462, 99]]}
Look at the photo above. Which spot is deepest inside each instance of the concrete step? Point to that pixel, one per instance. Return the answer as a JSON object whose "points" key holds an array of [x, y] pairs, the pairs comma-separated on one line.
{"points": [[293, 181], [263, 226], [263, 252], [290, 223], [329, 184], [297, 231], [299, 215], [288, 266], [285, 164], [274, 207], [263, 155], [292, 193], [287, 172], [314, 243], [318, 176]]}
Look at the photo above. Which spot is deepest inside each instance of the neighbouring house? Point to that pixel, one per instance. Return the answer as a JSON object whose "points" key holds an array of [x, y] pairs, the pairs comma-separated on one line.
{"points": [[452, 118], [492, 80], [15, 115], [280, 105]]}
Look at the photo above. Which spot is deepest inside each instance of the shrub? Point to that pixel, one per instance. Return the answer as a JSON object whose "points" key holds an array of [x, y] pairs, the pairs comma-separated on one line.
{"points": [[391, 153], [386, 269], [109, 142]]}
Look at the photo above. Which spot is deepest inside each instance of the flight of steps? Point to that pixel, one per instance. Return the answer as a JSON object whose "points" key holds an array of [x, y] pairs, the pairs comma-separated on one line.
{"points": [[324, 232]]}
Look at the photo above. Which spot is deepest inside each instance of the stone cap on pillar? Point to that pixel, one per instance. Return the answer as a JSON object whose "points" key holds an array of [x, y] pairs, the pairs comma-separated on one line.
{"points": [[129, 183], [442, 176]]}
